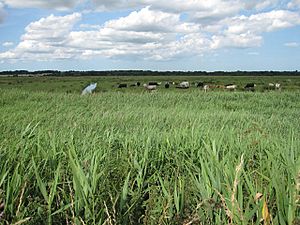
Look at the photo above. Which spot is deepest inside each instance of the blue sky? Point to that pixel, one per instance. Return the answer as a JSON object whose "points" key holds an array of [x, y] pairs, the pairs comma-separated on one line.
{"points": [[150, 34]]}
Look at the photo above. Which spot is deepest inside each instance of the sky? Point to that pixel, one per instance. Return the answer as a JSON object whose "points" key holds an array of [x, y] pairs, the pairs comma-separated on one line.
{"points": [[185, 35]]}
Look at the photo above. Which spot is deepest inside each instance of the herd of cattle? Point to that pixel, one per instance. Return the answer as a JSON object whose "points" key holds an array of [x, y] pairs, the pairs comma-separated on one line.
{"points": [[151, 86]]}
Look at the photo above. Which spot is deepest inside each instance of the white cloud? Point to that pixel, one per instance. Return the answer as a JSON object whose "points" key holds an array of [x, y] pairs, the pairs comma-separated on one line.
{"points": [[2, 13], [147, 33], [243, 31], [108, 5], [7, 44], [53, 4], [45, 39], [253, 53], [292, 44], [294, 4]]}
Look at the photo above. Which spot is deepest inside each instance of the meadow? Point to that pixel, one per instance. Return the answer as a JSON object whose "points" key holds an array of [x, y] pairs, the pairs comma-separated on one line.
{"points": [[133, 157]]}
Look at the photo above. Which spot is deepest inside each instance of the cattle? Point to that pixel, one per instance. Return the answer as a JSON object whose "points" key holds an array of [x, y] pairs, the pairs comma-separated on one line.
{"points": [[230, 87], [138, 83], [150, 87], [200, 84], [132, 85], [206, 88], [167, 85], [122, 86], [184, 85], [273, 86], [250, 87], [153, 83]]}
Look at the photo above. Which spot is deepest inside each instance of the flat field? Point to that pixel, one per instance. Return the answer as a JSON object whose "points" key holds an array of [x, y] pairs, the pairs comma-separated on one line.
{"points": [[133, 157]]}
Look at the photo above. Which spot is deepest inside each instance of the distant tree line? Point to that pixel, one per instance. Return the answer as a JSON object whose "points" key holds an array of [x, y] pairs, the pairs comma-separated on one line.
{"points": [[146, 73]]}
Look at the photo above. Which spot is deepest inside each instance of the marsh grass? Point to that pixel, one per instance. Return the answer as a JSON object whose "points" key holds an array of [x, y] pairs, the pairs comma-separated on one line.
{"points": [[140, 158]]}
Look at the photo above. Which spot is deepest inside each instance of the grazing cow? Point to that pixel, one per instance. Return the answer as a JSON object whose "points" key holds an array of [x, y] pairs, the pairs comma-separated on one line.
{"points": [[231, 87], [206, 88], [167, 85], [122, 86], [183, 85], [153, 83], [138, 83], [250, 87], [273, 86], [200, 84], [150, 87]]}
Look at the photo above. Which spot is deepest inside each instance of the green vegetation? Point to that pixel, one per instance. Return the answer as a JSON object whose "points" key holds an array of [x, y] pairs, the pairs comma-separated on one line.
{"points": [[133, 157]]}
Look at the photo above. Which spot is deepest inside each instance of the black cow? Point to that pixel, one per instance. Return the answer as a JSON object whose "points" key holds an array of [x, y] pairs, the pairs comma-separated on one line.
{"points": [[200, 84], [167, 85], [122, 86], [250, 87], [138, 83], [153, 83]]}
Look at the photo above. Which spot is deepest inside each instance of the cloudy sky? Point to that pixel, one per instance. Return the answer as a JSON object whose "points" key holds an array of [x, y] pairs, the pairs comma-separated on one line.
{"points": [[150, 34]]}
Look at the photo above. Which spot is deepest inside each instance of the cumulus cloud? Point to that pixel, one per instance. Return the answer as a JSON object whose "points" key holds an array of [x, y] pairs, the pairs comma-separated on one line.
{"points": [[45, 39], [1, 12], [53, 4], [245, 31], [7, 44], [294, 4], [107, 5], [147, 33], [292, 44]]}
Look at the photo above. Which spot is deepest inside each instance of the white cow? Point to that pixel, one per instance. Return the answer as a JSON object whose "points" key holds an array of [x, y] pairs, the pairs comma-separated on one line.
{"points": [[184, 84], [150, 87], [206, 87], [231, 87]]}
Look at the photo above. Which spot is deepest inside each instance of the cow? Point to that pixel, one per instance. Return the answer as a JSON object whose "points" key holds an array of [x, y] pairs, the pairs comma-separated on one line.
{"points": [[138, 83], [122, 86], [230, 87], [273, 86], [200, 84], [153, 83], [183, 85], [132, 85], [206, 88], [167, 85], [150, 87], [250, 87]]}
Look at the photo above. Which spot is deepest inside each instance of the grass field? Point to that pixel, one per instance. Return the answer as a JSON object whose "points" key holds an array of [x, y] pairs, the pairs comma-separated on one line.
{"points": [[133, 157]]}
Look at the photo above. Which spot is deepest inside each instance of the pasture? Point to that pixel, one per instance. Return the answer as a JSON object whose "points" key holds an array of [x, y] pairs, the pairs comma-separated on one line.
{"points": [[133, 157]]}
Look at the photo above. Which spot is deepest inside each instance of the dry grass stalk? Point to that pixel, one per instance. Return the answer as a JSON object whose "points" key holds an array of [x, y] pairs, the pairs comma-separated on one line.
{"points": [[72, 204], [21, 198], [227, 210], [22, 221], [108, 220], [235, 184]]}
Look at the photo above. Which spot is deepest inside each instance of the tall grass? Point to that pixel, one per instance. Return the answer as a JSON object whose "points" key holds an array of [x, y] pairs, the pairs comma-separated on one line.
{"points": [[140, 158]]}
